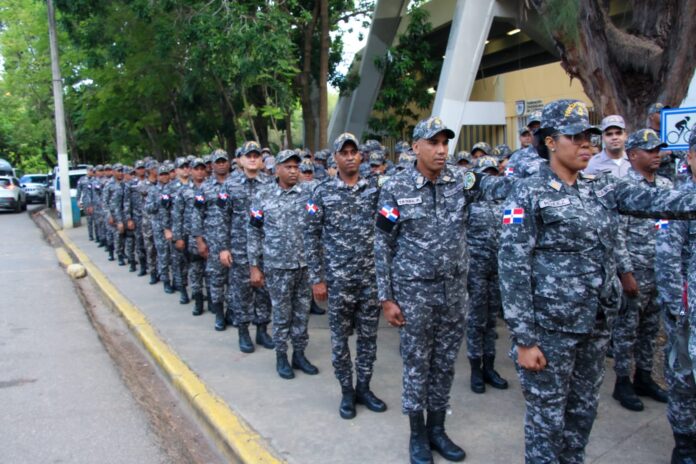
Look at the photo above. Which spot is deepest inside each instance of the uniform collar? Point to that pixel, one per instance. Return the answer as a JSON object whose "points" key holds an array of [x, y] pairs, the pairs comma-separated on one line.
{"points": [[446, 176], [362, 182]]}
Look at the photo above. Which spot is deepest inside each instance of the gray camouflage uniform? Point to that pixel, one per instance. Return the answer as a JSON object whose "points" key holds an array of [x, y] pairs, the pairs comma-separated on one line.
{"points": [[524, 162], [145, 189], [157, 204], [182, 221], [179, 258]]}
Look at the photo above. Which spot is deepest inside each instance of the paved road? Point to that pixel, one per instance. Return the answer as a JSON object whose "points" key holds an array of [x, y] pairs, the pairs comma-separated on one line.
{"points": [[300, 418], [61, 398]]}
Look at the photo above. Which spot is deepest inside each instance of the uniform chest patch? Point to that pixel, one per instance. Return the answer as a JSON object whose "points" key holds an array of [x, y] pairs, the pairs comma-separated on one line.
{"points": [[554, 203], [661, 224], [332, 198], [452, 191], [409, 201], [604, 190], [369, 191], [513, 216]]}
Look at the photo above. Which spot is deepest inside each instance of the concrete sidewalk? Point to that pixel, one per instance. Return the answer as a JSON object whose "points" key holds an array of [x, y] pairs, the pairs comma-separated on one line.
{"points": [[299, 418]]}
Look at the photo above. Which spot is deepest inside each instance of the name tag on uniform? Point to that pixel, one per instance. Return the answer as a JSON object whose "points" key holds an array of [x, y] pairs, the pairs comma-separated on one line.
{"points": [[332, 198], [369, 191], [606, 189], [554, 203], [452, 191], [409, 201]]}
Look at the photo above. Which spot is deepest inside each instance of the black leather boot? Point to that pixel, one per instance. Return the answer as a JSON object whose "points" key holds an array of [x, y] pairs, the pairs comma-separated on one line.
{"points": [[364, 396], [168, 287], [644, 385], [439, 441], [229, 318], [100, 243], [121, 260], [198, 304], [262, 337], [477, 384], [183, 296], [348, 399], [245, 345], [110, 249], [684, 451], [490, 376], [314, 308], [143, 268], [418, 444], [624, 394], [219, 311], [133, 266], [283, 366], [154, 278], [300, 361]]}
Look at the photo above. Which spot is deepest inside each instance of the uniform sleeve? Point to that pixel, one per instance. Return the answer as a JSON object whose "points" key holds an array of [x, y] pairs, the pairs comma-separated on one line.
{"points": [[654, 203], [166, 210], [116, 203], [621, 254], [226, 215], [178, 209], [198, 213], [495, 188], [517, 243], [386, 233], [670, 244], [128, 192], [313, 237], [255, 231]]}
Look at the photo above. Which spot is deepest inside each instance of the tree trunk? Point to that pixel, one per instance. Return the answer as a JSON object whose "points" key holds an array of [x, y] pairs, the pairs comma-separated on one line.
{"points": [[306, 81], [625, 71], [288, 129], [324, 74]]}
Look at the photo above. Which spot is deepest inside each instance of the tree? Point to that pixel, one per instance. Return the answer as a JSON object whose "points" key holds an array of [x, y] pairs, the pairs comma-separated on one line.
{"points": [[623, 71]]}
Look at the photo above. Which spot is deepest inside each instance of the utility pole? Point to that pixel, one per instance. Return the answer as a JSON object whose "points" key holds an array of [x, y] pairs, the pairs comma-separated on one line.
{"points": [[61, 145]]}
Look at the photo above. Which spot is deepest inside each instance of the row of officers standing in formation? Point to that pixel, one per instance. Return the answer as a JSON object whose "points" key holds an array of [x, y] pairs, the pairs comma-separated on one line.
{"points": [[586, 253]]}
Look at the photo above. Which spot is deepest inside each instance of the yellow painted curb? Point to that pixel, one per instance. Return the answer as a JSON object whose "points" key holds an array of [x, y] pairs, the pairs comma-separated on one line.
{"points": [[239, 436]]}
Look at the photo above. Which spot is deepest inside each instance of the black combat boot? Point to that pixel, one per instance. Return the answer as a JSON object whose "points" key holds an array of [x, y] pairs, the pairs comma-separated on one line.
{"points": [[283, 366], [684, 451], [418, 444], [167, 284], [348, 399], [198, 304], [143, 268], [110, 250], [364, 396], [219, 311], [490, 376], [624, 394], [154, 278], [262, 337], [100, 243], [477, 384], [121, 260], [439, 441], [133, 266], [229, 318], [316, 309], [299, 361], [245, 345], [644, 385], [183, 296]]}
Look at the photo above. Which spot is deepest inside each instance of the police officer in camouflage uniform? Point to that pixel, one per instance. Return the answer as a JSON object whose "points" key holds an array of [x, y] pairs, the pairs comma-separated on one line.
{"points": [[84, 199], [275, 233], [208, 230], [246, 304], [559, 283], [107, 173], [320, 158], [526, 161], [482, 234], [179, 255], [97, 185], [638, 321], [135, 205], [675, 263], [147, 189], [116, 204], [111, 211], [182, 220], [421, 278], [339, 242], [157, 204]]}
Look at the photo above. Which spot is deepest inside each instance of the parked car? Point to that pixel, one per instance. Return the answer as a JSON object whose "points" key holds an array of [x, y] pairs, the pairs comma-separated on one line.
{"points": [[75, 175], [12, 197], [34, 186]]}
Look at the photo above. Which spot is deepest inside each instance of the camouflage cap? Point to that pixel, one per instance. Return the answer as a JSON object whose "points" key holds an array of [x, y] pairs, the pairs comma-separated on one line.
{"points": [[569, 117], [163, 169], [305, 153], [613, 120], [377, 158], [117, 167], [344, 138], [503, 150], [139, 164], [197, 162], [306, 166], [657, 107], [99, 167], [321, 155], [524, 130], [266, 150], [486, 162], [331, 161], [483, 146], [406, 158], [181, 162], [219, 154], [644, 139], [270, 163], [129, 169], [286, 155], [401, 146], [190, 158], [534, 117], [107, 167], [463, 156], [373, 145], [206, 159], [250, 146], [152, 164], [692, 139], [429, 128]]}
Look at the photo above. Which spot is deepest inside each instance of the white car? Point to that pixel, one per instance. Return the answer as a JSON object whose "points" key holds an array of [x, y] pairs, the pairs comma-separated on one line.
{"points": [[75, 175], [34, 185], [12, 197]]}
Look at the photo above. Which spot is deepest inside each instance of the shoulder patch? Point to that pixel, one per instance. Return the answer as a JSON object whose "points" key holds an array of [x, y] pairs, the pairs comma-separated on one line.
{"points": [[469, 180], [554, 184]]}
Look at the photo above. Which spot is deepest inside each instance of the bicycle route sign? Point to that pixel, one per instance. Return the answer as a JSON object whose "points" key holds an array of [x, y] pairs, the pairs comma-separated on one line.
{"points": [[677, 124]]}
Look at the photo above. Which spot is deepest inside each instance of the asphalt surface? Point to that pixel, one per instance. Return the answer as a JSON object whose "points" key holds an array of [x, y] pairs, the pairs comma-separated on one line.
{"points": [[299, 417], [61, 397]]}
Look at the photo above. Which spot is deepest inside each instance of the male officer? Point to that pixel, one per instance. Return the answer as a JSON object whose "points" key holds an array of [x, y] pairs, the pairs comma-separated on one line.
{"points": [[613, 158], [525, 162], [84, 199], [274, 233], [157, 204], [113, 209], [134, 206], [146, 189], [421, 264], [339, 242], [179, 256]]}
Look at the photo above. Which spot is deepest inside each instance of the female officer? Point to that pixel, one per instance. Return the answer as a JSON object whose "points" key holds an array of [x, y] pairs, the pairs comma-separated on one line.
{"points": [[558, 279]]}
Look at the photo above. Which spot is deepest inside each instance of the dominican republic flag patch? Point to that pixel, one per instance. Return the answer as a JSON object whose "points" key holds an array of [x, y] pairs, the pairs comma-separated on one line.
{"points": [[509, 172], [661, 224], [387, 217], [311, 208], [683, 168], [256, 217], [223, 196], [165, 197], [200, 199], [513, 216], [256, 213], [390, 213]]}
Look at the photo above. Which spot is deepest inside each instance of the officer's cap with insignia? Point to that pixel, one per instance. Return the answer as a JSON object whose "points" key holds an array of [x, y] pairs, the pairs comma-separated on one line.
{"points": [[219, 154], [343, 139], [692, 140], [163, 169], [197, 162], [429, 128], [644, 139], [250, 146], [306, 166], [486, 162], [656, 107], [377, 158], [483, 146], [286, 155], [139, 164], [568, 117], [181, 162], [613, 120], [401, 146]]}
